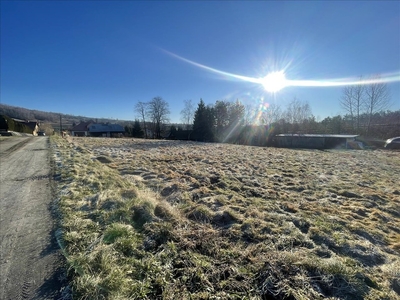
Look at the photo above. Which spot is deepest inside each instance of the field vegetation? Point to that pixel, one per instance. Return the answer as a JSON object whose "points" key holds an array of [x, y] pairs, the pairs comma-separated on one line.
{"points": [[155, 219]]}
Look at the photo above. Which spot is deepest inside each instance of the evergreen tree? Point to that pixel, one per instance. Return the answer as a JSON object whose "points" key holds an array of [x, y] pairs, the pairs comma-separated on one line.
{"points": [[128, 130], [172, 132], [203, 124], [221, 114], [137, 130]]}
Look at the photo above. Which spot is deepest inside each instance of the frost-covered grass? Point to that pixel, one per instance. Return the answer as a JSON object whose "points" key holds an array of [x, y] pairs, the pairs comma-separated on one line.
{"points": [[146, 219]]}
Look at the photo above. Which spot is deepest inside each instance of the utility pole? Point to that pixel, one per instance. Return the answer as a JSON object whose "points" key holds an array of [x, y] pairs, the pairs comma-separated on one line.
{"points": [[60, 126]]}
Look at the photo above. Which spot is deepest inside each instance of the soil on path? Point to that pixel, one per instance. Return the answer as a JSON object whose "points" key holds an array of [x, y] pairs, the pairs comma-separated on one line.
{"points": [[30, 262]]}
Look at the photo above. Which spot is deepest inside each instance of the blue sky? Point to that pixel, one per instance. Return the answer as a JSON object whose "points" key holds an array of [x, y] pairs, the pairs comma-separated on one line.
{"points": [[97, 58]]}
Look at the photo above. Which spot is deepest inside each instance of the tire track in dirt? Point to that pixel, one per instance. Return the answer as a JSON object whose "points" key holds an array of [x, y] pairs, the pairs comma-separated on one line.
{"points": [[11, 145], [30, 259], [25, 291]]}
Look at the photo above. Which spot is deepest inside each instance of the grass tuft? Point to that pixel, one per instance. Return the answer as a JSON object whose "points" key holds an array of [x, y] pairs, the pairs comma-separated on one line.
{"points": [[116, 231]]}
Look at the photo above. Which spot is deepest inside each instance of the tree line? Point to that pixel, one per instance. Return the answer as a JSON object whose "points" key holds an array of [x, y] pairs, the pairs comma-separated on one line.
{"points": [[365, 107]]}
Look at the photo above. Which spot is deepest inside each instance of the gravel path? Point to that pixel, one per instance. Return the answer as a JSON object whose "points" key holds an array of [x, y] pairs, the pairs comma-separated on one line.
{"points": [[30, 259]]}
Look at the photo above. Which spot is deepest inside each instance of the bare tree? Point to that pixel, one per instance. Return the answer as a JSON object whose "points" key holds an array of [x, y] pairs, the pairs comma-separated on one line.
{"points": [[47, 128], [377, 99], [272, 115], [249, 114], [158, 111], [236, 113], [297, 111], [353, 102], [305, 112], [187, 113], [141, 110], [290, 113]]}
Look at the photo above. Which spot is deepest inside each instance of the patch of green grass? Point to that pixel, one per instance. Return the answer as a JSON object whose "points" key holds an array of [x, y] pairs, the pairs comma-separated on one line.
{"points": [[116, 231]]}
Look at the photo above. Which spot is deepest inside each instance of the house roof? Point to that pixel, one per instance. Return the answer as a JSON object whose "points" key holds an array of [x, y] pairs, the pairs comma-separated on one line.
{"points": [[105, 128], [19, 120], [342, 136], [31, 124], [82, 126]]}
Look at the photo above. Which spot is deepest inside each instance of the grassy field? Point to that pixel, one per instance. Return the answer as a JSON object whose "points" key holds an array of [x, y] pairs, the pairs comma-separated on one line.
{"points": [[146, 219]]}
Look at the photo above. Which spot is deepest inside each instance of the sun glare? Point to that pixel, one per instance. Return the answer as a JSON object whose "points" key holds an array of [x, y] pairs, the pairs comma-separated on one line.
{"points": [[274, 82]]}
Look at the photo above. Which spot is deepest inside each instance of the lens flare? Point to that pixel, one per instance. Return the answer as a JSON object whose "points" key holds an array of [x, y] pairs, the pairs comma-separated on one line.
{"points": [[276, 81]]}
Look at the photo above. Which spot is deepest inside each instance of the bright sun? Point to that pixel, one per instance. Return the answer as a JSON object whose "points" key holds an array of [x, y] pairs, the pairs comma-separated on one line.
{"points": [[274, 81]]}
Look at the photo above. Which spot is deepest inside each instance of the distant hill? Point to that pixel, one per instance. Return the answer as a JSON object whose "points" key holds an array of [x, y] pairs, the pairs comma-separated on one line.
{"points": [[52, 118]]}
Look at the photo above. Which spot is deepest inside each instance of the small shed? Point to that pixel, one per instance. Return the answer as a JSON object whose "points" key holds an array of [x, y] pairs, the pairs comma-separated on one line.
{"points": [[317, 141]]}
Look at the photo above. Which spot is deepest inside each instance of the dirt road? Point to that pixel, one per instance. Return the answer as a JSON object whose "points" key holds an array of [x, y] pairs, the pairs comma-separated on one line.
{"points": [[29, 257]]}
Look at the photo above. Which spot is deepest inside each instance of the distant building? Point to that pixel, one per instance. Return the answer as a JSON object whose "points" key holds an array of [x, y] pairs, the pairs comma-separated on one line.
{"points": [[17, 125], [317, 141], [105, 130], [91, 128], [32, 125], [82, 129]]}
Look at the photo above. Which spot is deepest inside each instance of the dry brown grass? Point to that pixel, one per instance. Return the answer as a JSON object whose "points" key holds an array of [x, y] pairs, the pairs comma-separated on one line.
{"points": [[229, 221]]}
